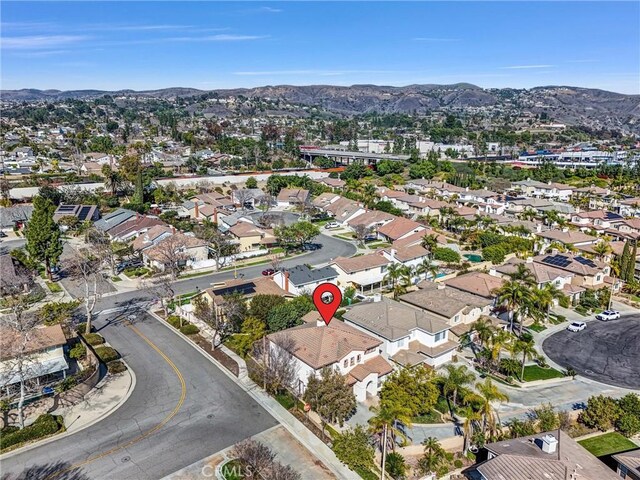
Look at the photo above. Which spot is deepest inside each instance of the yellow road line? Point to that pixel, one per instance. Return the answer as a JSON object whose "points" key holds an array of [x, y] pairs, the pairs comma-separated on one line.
{"points": [[183, 394]]}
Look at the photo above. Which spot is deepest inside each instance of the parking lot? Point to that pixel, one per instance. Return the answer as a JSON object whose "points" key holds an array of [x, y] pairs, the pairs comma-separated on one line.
{"points": [[608, 352]]}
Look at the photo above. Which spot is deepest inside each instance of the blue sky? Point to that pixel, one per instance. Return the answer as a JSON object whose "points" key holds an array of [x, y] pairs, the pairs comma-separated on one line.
{"points": [[207, 45]]}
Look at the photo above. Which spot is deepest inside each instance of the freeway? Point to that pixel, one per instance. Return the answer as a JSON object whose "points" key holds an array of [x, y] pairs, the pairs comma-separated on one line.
{"points": [[330, 248], [183, 408]]}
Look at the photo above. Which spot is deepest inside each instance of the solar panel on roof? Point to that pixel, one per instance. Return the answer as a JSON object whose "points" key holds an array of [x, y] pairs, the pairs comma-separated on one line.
{"points": [[557, 260], [66, 208], [84, 211], [585, 261]]}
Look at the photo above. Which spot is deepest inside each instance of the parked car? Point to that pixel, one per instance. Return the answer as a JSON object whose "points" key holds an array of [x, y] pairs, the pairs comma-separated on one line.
{"points": [[370, 238], [134, 263], [332, 225], [268, 272], [577, 326], [608, 315]]}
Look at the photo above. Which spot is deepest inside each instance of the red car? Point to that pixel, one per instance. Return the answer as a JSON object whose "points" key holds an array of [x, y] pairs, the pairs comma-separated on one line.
{"points": [[268, 272]]}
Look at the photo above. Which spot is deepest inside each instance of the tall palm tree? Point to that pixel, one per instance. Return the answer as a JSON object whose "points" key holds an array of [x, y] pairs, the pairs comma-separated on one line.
{"points": [[499, 340], [602, 249], [426, 268], [489, 393], [384, 421], [544, 298], [515, 296], [434, 456], [393, 274], [404, 281], [472, 420], [523, 274], [483, 329], [456, 378], [429, 242], [525, 347], [369, 195]]}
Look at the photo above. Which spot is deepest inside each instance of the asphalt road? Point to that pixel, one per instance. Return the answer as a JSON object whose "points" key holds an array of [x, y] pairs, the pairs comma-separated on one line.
{"points": [[330, 248], [608, 352], [204, 411]]}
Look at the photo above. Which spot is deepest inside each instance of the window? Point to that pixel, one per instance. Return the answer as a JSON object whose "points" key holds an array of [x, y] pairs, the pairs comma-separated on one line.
{"points": [[352, 362], [359, 358], [439, 336], [401, 342], [456, 319], [598, 277], [346, 363]]}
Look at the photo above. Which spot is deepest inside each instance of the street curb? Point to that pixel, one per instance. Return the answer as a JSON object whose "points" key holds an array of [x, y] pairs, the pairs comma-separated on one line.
{"points": [[54, 438], [249, 391]]}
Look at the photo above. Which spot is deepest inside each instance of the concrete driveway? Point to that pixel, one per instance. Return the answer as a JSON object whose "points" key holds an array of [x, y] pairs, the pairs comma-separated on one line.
{"points": [[608, 352]]}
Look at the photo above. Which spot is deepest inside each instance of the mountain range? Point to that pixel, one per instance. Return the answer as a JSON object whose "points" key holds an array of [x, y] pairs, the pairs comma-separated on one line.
{"points": [[572, 105]]}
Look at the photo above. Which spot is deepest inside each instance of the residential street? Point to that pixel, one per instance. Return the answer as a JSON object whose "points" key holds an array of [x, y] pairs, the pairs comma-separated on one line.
{"points": [[174, 417]]}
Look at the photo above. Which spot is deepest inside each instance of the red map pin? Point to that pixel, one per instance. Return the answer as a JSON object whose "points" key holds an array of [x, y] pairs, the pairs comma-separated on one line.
{"points": [[327, 297]]}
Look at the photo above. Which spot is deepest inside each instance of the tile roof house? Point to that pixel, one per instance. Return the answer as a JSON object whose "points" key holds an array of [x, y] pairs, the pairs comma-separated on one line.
{"points": [[302, 279], [184, 249], [338, 346], [111, 219], [250, 237], [453, 305], [289, 197], [14, 275], [399, 228], [15, 216], [566, 237], [332, 182], [544, 456], [134, 227], [477, 283], [409, 336], [343, 209], [588, 273], [151, 237], [365, 271], [370, 219]]}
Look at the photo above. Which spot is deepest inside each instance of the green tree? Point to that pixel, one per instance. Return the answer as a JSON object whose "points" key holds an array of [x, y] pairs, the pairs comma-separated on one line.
{"points": [[44, 240], [489, 394], [631, 265], [396, 466], [526, 347], [330, 396], [413, 388], [352, 448], [251, 183], [546, 418], [445, 254], [601, 412], [514, 296], [625, 260], [434, 456], [422, 169], [289, 314], [262, 304], [252, 330], [494, 254]]}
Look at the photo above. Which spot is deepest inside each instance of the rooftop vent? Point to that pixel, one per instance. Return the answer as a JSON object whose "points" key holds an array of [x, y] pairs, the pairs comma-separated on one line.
{"points": [[549, 444]]}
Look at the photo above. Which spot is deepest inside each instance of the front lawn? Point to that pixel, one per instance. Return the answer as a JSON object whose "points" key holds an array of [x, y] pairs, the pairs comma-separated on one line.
{"points": [[232, 470], [607, 444], [431, 417], [537, 328], [534, 372], [54, 287]]}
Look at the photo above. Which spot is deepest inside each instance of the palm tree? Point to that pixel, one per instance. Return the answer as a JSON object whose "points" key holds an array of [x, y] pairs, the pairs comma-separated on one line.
{"points": [[471, 421], [434, 456], [484, 330], [497, 342], [602, 249], [429, 242], [456, 378], [385, 420], [393, 274], [515, 296], [405, 280], [523, 274], [369, 194], [527, 348], [544, 298], [426, 268], [112, 179], [489, 393]]}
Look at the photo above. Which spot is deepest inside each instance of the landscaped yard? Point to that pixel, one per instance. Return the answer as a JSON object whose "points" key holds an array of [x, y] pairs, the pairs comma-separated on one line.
{"points": [[534, 372], [232, 470], [431, 417], [607, 444], [54, 287], [537, 328]]}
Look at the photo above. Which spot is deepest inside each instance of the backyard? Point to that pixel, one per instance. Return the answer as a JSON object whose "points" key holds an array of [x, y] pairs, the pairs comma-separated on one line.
{"points": [[607, 444]]}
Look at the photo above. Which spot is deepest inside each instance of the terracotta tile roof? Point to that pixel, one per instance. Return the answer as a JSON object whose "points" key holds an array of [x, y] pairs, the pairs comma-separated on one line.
{"points": [[478, 283], [363, 262], [147, 239], [41, 338], [376, 365], [296, 195], [417, 352], [405, 254], [568, 238], [370, 217], [399, 227], [445, 301], [543, 273], [416, 238], [134, 226], [246, 229], [343, 208], [321, 346], [393, 320], [248, 288]]}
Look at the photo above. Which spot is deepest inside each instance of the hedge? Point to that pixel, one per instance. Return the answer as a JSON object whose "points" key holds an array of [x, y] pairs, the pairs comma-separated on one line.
{"points": [[189, 329], [117, 366], [78, 351], [46, 424], [174, 321], [107, 354], [93, 339]]}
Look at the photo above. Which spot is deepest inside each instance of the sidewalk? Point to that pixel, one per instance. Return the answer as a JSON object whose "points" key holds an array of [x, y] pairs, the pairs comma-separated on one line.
{"points": [[107, 396]]}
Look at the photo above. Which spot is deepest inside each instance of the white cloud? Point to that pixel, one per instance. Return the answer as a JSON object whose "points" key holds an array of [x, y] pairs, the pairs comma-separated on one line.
{"points": [[525, 67], [39, 41]]}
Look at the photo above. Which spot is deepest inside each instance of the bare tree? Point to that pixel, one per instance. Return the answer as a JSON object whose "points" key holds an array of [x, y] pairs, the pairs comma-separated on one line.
{"points": [[257, 457], [161, 289], [361, 231], [277, 362], [220, 245], [171, 253], [85, 268], [208, 313], [242, 196], [17, 331], [276, 262], [265, 202]]}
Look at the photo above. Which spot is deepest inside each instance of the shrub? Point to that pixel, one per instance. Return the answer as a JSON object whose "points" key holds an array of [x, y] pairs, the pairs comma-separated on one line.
{"points": [[563, 302], [66, 384], [445, 254], [9, 429], [494, 253], [117, 366], [44, 425], [57, 312], [107, 354], [78, 351], [458, 463], [174, 321], [93, 339], [80, 328], [189, 329]]}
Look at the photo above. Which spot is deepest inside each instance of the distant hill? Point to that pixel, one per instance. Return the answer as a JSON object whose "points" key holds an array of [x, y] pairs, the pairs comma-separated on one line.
{"points": [[572, 105]]}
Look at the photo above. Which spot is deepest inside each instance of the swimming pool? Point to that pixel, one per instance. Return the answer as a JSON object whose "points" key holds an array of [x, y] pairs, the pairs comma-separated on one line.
{"points": [[473, 257]]}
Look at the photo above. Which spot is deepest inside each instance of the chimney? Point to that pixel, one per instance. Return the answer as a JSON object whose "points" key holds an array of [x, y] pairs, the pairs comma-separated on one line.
{"points": [[554, 251], [493, 272], [286, 281], [393, 253], [197, 210], [377, 297], [565, 229], [215, 216], [549, 444]]}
